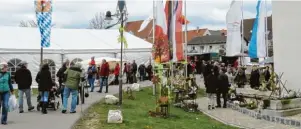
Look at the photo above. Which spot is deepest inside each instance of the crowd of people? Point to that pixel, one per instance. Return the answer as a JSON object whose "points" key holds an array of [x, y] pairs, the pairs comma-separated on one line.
{"points": [[218, 78], [69, 77]]}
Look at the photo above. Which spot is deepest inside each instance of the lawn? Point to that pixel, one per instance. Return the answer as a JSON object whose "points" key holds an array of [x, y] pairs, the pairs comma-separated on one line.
{"points": [[35, 92], [136, 116]]}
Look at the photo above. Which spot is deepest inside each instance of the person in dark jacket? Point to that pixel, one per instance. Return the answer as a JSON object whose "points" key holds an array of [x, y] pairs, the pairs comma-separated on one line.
{"points": [[240, 78], [24, 80], [142, 71], [45, 84], [104, 74], [116, 73], [267, 74], [216, 68], [222, 89], [6, 89], [134, 71], [149, 70], [60, 74], [207, 70], [254, 78], [211, 84]]}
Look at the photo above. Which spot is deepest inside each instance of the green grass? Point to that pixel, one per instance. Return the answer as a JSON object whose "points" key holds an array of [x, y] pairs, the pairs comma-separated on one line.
{"points": [[34, 90], [135, 113]]}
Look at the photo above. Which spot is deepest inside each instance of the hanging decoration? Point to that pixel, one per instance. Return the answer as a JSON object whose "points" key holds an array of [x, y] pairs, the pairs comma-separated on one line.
{"points": [[44, 19], [123, 39]]}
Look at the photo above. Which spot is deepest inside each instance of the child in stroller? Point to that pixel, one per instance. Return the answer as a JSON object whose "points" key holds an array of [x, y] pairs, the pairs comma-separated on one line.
{"points": [[52, 102]]}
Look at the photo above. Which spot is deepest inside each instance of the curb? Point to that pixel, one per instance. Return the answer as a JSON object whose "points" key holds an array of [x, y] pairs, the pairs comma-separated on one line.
{"points": [[222, 121], [272, 119]]}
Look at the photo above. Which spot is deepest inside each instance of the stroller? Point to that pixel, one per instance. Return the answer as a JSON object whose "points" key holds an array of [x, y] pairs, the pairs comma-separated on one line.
{"points": [[52, 102]]}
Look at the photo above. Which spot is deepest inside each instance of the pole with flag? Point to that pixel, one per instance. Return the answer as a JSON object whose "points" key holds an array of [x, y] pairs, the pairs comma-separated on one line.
{"points": [[234, 23], [44, 19], [257, 46], [266, 30], [153, 30], [186, 65]]}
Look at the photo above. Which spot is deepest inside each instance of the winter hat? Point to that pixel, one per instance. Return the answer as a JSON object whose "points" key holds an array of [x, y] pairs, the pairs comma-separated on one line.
{"points": [[2, 65]]}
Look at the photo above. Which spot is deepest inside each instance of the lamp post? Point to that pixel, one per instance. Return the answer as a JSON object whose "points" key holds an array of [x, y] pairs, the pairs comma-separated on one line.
{"points": [[121, 13]]}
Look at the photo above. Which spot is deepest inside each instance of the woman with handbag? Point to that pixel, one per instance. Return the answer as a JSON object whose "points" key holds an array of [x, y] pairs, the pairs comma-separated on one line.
{"points": [[6, 89]]}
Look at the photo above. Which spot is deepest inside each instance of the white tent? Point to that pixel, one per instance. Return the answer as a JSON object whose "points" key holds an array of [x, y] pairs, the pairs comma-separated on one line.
{"points": [[23, 44]]}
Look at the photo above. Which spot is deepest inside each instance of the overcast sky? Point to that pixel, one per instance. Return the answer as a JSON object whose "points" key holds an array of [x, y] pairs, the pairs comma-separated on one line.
{"points": [[77, 13]]}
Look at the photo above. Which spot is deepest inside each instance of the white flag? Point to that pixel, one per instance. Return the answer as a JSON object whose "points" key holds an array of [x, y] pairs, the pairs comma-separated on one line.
{"points": [[146, 22], [234, 38]]}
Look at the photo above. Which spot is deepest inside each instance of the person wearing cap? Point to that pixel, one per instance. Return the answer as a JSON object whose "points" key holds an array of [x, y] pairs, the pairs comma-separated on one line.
{"points": [[24, 80], [6, 89], [73, 77]]}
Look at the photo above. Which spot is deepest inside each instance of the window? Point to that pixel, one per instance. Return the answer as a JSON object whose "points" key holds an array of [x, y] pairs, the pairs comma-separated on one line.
{"points": [[222, 46], [13, 66], [202, 49], [51, 67], [255, 60], [76, 60]]}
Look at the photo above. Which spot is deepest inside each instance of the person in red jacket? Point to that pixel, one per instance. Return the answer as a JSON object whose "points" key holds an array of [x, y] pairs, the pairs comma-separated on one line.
{"points": [[104, 74], [116, 73]]}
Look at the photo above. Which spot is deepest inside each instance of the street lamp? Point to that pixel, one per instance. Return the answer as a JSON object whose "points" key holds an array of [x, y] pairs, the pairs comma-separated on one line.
{"points": [[121, 14]]}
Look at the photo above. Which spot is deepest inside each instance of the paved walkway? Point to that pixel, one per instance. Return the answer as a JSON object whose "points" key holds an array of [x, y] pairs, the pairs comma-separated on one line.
{"points": [[54, 119], [235, 118]]}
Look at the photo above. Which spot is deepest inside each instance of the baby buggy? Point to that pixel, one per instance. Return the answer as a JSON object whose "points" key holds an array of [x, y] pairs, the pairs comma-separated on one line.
{"points": [[53, 103]]}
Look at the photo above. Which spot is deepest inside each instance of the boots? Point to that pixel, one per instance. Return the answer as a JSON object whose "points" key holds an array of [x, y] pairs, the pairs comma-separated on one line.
{"points": [[44, 107]]}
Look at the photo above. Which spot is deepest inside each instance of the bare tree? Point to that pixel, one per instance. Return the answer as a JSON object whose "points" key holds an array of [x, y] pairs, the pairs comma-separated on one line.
{"points": [[98, 21], [30, 23]]}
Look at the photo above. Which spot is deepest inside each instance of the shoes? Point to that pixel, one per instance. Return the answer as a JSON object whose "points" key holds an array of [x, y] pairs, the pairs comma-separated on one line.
{"points": [[64, 111], [4, 123], [218, 106], [106, 92], [73, 112], [99, 91], [30, 109], [21, 111], [224, 106], [44, 106]]}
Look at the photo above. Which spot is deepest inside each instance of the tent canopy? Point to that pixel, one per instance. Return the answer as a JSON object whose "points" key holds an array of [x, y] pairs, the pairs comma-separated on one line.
{"points": [[67, 39]]}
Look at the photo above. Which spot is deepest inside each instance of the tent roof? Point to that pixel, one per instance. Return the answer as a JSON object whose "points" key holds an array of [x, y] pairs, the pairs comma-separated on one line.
{"points": [[67, 39]]}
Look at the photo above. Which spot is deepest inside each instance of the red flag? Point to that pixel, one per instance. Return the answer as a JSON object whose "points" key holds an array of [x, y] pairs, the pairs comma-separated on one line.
{"points": [[183, 20], [174, 11], [161, 46]]}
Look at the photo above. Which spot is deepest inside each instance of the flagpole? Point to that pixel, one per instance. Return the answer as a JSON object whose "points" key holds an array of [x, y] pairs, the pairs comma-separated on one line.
{"points": [[266, 30], [153, 30], [186, 55], [172, 22], [242, 33]]}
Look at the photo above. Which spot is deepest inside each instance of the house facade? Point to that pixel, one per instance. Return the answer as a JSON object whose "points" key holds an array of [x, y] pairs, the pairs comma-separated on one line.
{"points": [[247, 32]]}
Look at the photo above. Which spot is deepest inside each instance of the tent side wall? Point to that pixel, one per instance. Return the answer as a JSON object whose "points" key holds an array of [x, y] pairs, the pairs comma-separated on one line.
{"points": [[56, 58]]}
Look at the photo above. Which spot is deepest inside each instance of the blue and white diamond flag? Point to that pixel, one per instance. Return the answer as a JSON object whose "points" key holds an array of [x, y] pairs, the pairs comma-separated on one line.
{"points": [[44, 19]]}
